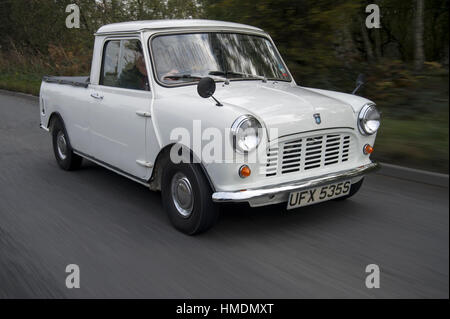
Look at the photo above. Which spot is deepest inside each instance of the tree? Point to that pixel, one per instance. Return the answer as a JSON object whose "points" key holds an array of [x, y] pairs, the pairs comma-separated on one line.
{"points": [[419, 55], [366, 40]]}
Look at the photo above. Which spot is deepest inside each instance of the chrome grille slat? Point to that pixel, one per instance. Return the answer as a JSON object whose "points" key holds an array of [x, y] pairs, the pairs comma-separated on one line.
{"points": [[272, 163], [308, 153], [292, 155]]}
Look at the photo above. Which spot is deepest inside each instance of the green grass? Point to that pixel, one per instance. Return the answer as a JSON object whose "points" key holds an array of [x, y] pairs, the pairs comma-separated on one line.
{"points": [[20, 82], [419, 143]]}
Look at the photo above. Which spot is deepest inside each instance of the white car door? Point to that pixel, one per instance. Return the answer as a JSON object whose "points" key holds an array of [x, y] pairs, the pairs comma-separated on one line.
{"points": [[120, 109]]}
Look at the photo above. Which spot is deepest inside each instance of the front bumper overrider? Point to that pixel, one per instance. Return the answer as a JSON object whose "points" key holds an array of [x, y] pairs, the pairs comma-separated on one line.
{"points": [[280, 193]]}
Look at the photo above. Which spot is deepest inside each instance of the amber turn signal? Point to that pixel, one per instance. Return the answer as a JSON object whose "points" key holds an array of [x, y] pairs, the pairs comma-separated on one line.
{"points": [[368, 149], [244, 171]]}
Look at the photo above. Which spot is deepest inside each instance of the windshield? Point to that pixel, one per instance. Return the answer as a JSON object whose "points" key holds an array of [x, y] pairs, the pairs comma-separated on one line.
{"points": [[184, 58]]}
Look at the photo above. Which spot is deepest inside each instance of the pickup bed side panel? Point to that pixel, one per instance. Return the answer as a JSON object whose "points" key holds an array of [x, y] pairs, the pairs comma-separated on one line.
{"points": [[71, 103]]}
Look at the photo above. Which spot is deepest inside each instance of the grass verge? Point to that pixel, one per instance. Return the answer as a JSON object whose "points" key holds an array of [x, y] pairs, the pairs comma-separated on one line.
{"points": [[420, 143], [25, 83]]}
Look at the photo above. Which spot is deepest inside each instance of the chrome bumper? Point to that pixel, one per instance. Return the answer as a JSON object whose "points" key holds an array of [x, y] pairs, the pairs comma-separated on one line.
{"points": [[279, 193]]}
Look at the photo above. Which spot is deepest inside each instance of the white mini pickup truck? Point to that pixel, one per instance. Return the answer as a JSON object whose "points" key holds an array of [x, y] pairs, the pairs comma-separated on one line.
{"points": [[207, 112]]}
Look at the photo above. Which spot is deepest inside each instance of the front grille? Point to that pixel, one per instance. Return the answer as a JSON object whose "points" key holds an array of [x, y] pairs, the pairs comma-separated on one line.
{"points": [[308, 153]]}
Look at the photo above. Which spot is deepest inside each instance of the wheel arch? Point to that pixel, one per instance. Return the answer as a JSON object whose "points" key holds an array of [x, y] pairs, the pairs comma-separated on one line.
{"points": [[163, 156], [56, 116], [52, 118]]}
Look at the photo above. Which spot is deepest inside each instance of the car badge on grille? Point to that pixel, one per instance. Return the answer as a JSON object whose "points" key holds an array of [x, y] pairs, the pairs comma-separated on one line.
{"points": [[317, 118]]}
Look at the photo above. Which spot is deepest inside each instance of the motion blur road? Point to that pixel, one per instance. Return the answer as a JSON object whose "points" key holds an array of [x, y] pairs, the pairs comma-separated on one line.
{"points": [[118, 234]]}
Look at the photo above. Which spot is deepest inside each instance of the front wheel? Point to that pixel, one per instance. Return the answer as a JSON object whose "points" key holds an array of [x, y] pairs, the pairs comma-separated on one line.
{"points": [[186, 196]]}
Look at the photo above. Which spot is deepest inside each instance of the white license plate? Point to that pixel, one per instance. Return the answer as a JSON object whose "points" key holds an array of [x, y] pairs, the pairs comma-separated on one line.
{"points": [[319, 194]]}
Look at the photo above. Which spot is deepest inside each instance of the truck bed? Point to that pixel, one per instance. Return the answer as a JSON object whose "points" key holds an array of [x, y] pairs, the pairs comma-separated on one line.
{"points": [[80, 81]]}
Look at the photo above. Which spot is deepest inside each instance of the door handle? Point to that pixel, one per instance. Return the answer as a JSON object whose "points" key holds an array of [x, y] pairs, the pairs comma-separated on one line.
{"points": [[97, 96], [143, 114]]}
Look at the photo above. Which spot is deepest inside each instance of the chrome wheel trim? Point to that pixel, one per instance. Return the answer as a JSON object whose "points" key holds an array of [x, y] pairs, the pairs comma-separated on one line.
{"points": [[61, 145], [182, 194]]}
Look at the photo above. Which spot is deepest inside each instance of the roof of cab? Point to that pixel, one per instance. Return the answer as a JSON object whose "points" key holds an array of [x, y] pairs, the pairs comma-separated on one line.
{"points": [[134, 26]]}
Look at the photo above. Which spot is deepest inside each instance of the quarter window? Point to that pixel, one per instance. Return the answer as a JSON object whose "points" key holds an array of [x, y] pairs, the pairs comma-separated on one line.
{"points": [[123, 65]]}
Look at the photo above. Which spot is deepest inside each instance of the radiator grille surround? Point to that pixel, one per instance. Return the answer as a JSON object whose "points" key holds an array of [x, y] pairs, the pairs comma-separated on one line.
{"points": [[308, 153]]}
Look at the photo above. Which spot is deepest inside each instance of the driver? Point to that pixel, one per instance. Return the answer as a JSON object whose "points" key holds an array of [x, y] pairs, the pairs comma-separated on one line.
{"points": [[136, 77]]}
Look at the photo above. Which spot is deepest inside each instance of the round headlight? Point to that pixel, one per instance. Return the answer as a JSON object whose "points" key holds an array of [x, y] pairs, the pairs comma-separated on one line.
{"points": [[245, 133], [369, 119]]}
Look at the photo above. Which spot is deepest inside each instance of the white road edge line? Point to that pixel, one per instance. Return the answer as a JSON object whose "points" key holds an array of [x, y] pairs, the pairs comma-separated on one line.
{"points": [[415, 175]]}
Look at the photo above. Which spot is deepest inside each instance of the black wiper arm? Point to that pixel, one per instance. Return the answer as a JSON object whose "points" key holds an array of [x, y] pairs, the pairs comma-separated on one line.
{"points": [[192, 76], [226, 73], [219, 73], [182, 76]]}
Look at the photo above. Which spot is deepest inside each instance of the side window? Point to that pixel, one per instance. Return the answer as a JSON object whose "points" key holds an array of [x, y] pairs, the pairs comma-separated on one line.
{"points": [[124, 65], [110, 66]]}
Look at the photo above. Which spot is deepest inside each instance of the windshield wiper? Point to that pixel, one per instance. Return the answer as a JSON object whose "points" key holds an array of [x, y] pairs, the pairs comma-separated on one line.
{"points": [[182, 76], [220, 78], [194, 77], [227, 73]]}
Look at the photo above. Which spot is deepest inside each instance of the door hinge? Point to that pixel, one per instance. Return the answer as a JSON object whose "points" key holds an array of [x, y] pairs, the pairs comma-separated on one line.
{"points": [[143, 114], [144, 163]]}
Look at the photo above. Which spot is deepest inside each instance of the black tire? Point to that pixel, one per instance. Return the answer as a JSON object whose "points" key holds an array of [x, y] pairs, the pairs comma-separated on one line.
{"points": [[203, 213], [66, 158], [353, 190]]}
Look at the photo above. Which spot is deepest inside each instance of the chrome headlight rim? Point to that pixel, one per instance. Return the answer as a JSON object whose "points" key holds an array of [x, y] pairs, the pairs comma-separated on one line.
{"points": [[362, 116], [235, 129]]}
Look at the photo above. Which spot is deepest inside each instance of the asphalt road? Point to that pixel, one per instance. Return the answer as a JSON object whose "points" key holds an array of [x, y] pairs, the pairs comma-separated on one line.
{"points": [[115, 230]]}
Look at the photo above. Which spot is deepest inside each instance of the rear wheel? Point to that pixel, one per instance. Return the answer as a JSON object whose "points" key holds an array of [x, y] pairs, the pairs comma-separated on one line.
{"points": [[353, 190], [186, 196], [65, 157]]}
